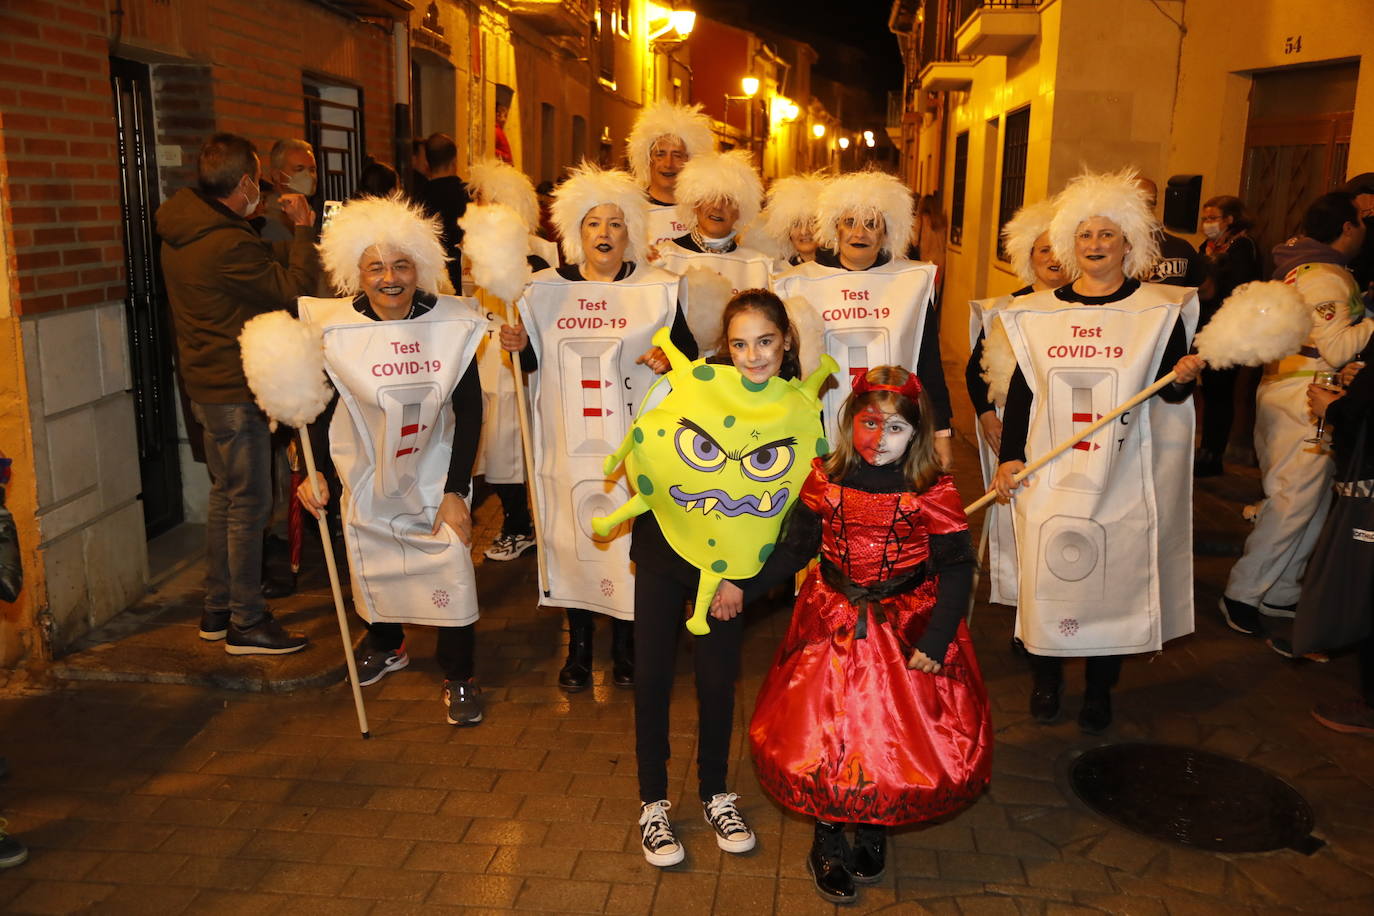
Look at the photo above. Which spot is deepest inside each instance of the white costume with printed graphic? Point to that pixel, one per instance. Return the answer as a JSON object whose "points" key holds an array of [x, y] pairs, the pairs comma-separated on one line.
{"points": [[1002, 569], [664, 226], [587, 336], [873, 317], [1297, 474], [1104, 532], [744, 267], [391, 439]]}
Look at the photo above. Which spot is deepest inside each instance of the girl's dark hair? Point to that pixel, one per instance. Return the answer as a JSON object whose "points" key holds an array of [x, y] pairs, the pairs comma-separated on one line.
{"points": [[377, 179], [1233, 207], [771, 307], [920, 467]]}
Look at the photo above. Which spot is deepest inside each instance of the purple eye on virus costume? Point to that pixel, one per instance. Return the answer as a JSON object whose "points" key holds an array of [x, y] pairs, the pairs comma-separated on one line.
{"points": [[718, 461]]}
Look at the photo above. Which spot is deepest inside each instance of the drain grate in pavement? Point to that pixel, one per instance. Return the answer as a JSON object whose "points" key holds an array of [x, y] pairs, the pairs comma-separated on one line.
{"points": [[1194, 798]]}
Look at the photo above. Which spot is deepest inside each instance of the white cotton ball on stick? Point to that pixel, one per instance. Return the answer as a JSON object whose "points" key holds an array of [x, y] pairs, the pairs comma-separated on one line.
{"points": [[1258, 323], [707, 295], [283, 360], [999, 363], [809, 330], [497, 242]]}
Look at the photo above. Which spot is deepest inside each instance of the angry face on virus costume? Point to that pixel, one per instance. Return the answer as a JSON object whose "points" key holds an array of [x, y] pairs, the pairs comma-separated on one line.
{"points": [[718, 461]]}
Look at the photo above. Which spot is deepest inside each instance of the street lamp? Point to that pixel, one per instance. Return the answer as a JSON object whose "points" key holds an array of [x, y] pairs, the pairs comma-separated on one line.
{"points": [[844, 143], [750, 85], [868, 139], [818, 130]]}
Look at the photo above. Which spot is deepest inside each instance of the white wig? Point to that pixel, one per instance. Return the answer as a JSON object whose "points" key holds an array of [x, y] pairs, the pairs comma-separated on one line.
{"points": [[1116, 197], [495, 182], [392, 224], [791, 203], [590, 187], [1020, 233], [726, 177], [664, 119], [864, 195]]}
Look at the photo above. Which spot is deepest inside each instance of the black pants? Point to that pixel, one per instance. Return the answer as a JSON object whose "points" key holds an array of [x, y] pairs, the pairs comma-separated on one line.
{"points": [[659, 623], [1218, 408], [515, 507], [454, 653], [1100, 672], [1366, 666]]}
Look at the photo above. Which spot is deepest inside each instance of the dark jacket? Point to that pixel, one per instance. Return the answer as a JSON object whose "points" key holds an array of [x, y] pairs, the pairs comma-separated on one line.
{"points": [[219, 273], [1301, 250]]}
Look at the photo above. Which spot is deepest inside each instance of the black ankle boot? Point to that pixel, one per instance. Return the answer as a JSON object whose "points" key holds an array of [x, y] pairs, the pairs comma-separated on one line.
{"points": [[827, 863], [1047, 685], [869, 860], [1096, 713], [623, 653], [576, 673]]}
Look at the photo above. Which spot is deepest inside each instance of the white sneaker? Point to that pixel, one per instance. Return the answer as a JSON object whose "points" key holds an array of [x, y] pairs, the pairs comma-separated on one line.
{"points": [[732, 833], [660, 846], [509, 546]]}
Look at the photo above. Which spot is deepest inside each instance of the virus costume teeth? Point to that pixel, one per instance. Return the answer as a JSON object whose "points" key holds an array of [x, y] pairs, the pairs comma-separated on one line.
{"points": [[720, 484]]}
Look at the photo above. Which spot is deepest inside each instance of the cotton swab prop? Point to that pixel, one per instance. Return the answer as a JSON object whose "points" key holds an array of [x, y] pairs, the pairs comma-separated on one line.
{"points": [[283, 360], [1258, 323], [496, 241]]}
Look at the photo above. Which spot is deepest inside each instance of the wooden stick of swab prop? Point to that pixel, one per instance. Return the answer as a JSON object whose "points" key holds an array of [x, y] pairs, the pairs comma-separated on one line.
{"points": [[527, 449], [978, 569], [1073, 440], [334, 585]]}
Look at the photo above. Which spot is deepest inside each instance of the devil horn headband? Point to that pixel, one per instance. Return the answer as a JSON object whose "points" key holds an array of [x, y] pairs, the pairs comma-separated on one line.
{"points": [[910, 389]]}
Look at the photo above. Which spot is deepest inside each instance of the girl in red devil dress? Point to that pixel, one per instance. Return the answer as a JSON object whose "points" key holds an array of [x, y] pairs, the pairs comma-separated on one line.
{"points": [[874, 712]]}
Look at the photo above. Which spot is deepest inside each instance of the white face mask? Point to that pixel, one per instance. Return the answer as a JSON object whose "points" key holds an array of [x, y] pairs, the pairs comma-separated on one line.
{"points": [[1212, 230], [302, 183], [252, 204]]}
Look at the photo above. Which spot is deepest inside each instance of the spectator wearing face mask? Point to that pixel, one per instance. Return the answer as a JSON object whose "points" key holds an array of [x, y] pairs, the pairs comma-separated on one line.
{"points": [[290, 170]]}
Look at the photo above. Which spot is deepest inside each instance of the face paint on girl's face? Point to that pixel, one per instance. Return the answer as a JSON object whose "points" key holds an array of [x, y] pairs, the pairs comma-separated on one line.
{"points": [[880, 437]]}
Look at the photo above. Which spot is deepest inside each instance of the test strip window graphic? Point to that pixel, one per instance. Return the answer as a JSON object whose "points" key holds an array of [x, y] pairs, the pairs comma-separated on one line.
{"points": [[409, 411], [593, 424], [1077, 398]]}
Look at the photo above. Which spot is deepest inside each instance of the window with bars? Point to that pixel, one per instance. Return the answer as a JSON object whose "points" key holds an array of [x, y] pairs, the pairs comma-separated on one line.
{"points": [[1015, 149], [334, 127], [956, 206]]}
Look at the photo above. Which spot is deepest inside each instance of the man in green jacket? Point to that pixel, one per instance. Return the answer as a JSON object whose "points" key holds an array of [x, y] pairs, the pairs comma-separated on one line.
{"points": [[219, 273]]}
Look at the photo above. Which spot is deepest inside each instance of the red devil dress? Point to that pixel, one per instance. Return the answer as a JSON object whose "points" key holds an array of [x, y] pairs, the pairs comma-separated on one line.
{"points": [[843, 730]]}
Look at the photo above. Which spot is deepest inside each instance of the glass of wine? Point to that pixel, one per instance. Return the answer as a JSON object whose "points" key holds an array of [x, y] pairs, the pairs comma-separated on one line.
{"points": [[1331, 382]]}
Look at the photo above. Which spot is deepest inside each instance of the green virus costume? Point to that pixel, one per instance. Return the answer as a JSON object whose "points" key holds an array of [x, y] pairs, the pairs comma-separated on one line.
{"points": [[719, 460]]}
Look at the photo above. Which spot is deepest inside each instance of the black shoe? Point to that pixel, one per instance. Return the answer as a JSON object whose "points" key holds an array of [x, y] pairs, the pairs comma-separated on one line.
{"points": [[1096, 713], [576, 672], [623, 653], [826, 862], [1207, 463], [869, 859], [278, 585], [1044, 701], [266, 637], [214, 625], [1241, 617]]}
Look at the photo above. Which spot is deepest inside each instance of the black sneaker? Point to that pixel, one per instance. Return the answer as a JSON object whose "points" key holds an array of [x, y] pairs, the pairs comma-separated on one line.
{"points": [[266, 637], [463, 700], [1288, 611], [12, 850], [373, 665], [656, 837], [732, 833], [1241, 617], [214, 625]]}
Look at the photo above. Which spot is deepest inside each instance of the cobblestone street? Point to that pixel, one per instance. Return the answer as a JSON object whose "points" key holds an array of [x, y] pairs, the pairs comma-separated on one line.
{"points": [[167, 798]]}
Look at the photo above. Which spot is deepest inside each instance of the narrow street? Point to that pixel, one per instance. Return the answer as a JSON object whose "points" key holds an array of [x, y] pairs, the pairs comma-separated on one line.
{"points": [[163, 798]]}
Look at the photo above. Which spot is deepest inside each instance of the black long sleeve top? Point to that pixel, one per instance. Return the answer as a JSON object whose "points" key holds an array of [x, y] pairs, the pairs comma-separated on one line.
{"points": [[973, 372], [467, 411], [1016, 415]]}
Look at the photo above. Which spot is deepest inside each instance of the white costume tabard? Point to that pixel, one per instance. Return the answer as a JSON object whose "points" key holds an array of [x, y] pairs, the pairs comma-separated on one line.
{"points": [[1105, 530], [744, 267], [587, 336], [1001, 536], [391, 438], [872, 317], [664, 225]]}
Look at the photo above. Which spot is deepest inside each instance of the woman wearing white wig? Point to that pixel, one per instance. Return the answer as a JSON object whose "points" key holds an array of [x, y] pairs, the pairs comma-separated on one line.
{"points": [[717, 196], [789, 218], [499, 456], [878, 307], [587, 326], [401, 362], [664, 139], [1105, 532]]}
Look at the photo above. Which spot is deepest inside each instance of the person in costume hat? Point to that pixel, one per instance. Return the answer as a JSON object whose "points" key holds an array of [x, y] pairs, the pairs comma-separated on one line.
{"points": [[401, 361], [874, 712], [500, 460], [789, 218], [1104, 534], [717, 196], [665, 138], [586, 327], [878, 307]]}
